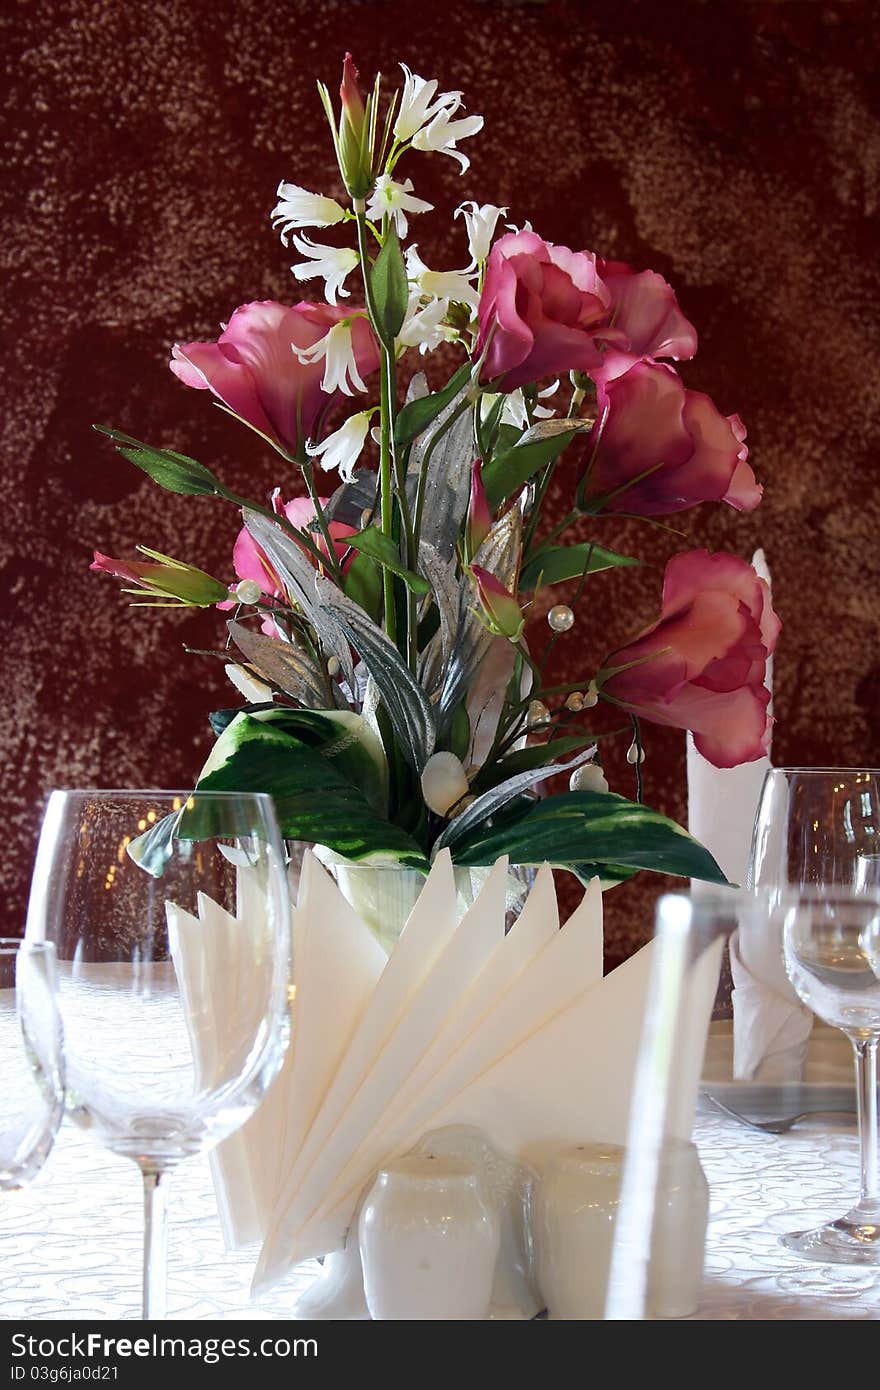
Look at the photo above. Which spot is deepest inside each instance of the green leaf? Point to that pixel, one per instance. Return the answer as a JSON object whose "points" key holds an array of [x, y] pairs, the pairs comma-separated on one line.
{"points": [[318, 790], [175, 472], [538, 446], [346, 738], [556, 563], [390, 288], [595, 828], [459, 738], [418, 414], [380, 547], [362, 582]]}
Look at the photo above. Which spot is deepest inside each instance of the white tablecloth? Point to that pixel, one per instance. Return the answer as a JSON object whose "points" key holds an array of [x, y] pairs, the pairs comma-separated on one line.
{"points": [[71, 1242]]}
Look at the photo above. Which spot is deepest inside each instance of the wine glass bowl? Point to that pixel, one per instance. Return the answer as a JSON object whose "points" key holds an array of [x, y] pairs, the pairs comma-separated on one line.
{"points": [[817, 827], [170, 916], [827, 959], [32, 1095]]}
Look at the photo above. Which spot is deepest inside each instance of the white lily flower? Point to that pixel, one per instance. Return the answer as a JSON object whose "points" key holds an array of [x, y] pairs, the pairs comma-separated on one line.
{"points": [[392, 199], [297, 207], [331, 262], [417, 105], [425, 327], [344, 446], [514, 411], [444, 284], [480, 223], [336, 351], [443, 133]]}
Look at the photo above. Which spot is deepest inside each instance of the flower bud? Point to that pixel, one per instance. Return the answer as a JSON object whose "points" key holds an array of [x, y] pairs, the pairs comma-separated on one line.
{"points": [[501, 610], [443, 782], [479, 516]]}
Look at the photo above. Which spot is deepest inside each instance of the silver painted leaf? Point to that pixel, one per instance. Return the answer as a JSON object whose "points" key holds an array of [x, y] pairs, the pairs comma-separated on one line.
{"points": [[418, 387], [448, 477], [297, 574], [407, 705], [288, 665], [447, 595], [496, 797], [500, 555], [351, 500]]}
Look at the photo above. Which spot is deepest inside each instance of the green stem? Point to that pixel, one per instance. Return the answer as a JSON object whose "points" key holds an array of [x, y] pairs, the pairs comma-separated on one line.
{"points": [[386, 495]]}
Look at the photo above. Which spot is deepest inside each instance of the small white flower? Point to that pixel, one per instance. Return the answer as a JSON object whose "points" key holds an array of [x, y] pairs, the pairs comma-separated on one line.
{"points": [[512, 227], [343, 447], [254, 691], [442, 135], [336, 351], [334, 263], [444, 782], [480, 223], [297, 207], [441, 284], [514, 410], [425, 328], [417, 105], [395, 200]]}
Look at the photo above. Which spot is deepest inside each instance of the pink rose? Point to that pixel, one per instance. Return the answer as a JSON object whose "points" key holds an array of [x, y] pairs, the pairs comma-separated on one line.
{"points": [[702, 665], [250, 562], [248, 559], [539, 310], [645, 317], [253, 369], [659, 448]]}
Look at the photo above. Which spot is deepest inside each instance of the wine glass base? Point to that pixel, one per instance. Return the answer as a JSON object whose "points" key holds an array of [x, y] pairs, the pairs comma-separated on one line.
{"points": [[842, 1242]]}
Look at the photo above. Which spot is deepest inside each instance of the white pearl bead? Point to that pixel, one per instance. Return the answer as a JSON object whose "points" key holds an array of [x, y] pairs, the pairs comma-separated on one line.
{"points": [[560, 617], [248, 591], [575, 701], [443, 782], [635, 754], [591, 695], [589, 777], [538, 714], [332, 667]]}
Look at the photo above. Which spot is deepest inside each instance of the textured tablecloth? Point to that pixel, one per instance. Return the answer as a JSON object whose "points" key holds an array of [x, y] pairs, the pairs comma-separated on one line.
{"points": [[71, 1242]]}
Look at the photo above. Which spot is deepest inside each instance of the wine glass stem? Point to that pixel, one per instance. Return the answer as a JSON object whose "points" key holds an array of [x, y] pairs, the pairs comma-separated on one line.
{"points": [[155, 1244], [866, 1092]]}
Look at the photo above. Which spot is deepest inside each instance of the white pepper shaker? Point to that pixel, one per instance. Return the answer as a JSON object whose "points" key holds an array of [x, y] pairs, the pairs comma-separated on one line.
{"points": [[429, 1242]]}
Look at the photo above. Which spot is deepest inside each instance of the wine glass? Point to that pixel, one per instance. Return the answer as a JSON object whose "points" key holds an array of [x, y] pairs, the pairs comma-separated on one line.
{"points": [[170, 917], [817, 826], [815, 865], [32, 1095]]}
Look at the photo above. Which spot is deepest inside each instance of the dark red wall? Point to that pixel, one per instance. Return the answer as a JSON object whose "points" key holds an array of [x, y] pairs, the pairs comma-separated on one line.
{"points": [[732, 146]]}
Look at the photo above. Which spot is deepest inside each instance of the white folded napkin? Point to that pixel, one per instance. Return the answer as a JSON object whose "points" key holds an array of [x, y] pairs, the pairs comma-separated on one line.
{"points": [[770, 1026]]}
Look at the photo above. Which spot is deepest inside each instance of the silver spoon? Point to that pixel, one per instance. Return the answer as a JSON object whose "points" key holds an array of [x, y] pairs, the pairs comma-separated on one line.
{"points": [[771, 1126]]}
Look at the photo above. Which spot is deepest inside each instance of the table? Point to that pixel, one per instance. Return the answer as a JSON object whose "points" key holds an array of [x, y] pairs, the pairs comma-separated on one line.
{"points": [[71, 1242]]}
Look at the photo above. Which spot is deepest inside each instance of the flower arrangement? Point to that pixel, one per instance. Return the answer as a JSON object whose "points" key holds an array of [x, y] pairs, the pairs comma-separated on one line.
{"points": [[392, 702]]}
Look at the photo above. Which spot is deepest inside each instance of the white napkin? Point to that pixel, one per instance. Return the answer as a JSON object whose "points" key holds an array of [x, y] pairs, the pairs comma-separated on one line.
{"points": [[770, 1026]]}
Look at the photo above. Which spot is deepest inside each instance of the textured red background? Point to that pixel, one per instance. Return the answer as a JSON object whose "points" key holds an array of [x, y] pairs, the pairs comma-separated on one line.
{"points": [[735, 147]]}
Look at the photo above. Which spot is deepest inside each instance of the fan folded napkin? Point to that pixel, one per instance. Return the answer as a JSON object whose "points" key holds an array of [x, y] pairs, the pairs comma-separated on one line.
{"points": [[516, 1033]]}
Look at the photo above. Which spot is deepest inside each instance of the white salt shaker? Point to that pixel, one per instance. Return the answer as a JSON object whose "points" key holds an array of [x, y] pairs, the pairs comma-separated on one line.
{"points": [[575, 1212], [675, 1274], [429, 1242]]}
